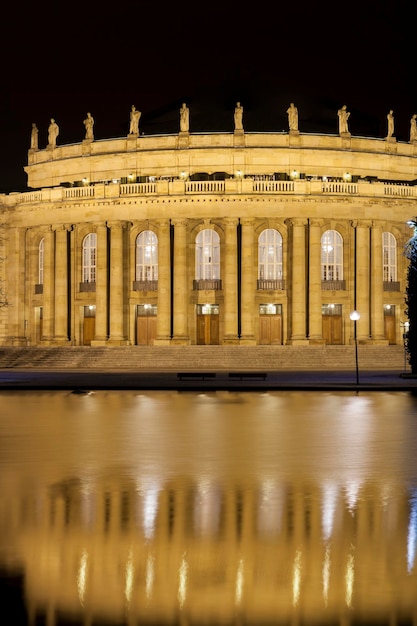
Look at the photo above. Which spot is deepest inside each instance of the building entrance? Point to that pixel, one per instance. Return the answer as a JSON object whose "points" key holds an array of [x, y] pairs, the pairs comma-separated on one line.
{"points": [[89, 325], [146, 324], [208, 324], [389, 323], [270, 324], [332, 324]]}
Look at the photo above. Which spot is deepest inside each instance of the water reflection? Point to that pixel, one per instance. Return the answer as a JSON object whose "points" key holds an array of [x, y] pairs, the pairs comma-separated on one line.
{"points": [[222, 508]]}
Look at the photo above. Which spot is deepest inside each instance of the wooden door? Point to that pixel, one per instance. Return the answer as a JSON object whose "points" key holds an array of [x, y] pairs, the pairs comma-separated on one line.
{"points": [[89, 330], [207, 330], [332, 329], [145, 330], [270, 330], [389, 328]]}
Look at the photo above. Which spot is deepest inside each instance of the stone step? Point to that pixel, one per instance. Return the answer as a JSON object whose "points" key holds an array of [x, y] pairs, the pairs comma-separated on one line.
{"points": [[204, 357]]}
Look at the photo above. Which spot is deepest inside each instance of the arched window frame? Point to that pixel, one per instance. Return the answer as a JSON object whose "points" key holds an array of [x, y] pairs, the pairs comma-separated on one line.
{"points": [[89, 266], [331, 256], [41, 260], [146, 260], [270, 266], [389, 257], [207, 255]]}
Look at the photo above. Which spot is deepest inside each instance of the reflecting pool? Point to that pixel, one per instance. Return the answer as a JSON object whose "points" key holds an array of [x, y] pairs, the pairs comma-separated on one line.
{"points": [[169, 508]]}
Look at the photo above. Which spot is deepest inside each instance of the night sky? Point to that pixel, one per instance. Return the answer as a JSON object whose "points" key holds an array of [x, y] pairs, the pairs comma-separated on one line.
{"points": [[65, 59]]}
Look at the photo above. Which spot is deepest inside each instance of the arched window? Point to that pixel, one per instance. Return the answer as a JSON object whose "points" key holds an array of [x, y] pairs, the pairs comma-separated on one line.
{"points": [[41, 261], [270, 255], [89, 258], [146, 256], [331, 255], [207, 255], [389, 257]]}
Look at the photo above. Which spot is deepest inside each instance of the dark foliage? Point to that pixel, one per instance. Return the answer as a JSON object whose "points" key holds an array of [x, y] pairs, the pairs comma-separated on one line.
{"points": [[411, 299]]}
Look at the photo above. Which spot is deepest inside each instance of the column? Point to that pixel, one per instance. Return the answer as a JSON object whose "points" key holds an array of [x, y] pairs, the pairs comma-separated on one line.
{"points": [[101, 287], [48, 287], [180, 282], [315, 333], [230, 282], [362, 288], [15, 290], [61, 284], [248, 278], [377, 286], [163, 321], [297, 262], [117, 334]]}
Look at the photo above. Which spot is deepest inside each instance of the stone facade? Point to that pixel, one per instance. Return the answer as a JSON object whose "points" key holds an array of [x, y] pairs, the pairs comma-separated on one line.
{"points": [[255, 238]]}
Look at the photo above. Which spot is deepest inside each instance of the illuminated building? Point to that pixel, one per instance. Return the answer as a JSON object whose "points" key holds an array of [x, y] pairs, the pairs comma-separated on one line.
{"points": [[231, 238]]}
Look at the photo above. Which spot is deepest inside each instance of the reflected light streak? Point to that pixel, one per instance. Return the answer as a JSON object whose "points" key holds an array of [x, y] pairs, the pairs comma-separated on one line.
{"points": [[82, 576], [296, 578], [352, 491], [326, 575], [412, 532], [130, 571], [239, 582], [182, 587], [349, 579], [150, 575], [150, 510], [328, 509]]}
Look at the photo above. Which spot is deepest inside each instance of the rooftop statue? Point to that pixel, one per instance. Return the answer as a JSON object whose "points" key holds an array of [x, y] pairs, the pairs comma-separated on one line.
{"points": [[53, 132], [134, 121], [238, 116], [89, 123], [292, 112], [413, 128], [184, 118], [343, 115], [34, 137], [390, 119]]}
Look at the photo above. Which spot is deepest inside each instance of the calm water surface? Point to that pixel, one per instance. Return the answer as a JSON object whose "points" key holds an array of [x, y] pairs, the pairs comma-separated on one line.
{"points": [[282, 508]]}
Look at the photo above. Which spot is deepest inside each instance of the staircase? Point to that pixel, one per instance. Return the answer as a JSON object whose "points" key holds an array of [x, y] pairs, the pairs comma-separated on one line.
{"points": [[176, 358]]}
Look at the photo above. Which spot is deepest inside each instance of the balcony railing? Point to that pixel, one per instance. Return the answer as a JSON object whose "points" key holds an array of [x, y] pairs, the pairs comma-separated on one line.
{"points": [[231, 186], [145, 285], [204, 186], [137, 189], [270, 285], [90, 287], [209, 284], [391, 285], [339, 187], [333, 285], [273, 186]]}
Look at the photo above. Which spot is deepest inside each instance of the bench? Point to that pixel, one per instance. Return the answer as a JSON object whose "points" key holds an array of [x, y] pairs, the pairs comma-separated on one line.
{"points": [[242, 375], [195, 375]]}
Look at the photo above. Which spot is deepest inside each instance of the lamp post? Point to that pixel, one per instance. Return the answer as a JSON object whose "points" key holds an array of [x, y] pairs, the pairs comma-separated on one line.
{"points": [[405, 326], [354, 316]]}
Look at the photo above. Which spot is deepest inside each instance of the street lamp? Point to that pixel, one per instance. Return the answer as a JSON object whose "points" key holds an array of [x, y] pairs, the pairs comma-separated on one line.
{"points": [[354, 316], [405, 326]]}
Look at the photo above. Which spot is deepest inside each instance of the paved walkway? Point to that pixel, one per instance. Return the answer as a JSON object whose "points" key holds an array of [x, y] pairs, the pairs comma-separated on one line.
{"points": [[85, 380]]}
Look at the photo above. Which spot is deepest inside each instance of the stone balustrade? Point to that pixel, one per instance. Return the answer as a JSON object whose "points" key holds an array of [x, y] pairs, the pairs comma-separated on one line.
{"points": [[230, 186]]}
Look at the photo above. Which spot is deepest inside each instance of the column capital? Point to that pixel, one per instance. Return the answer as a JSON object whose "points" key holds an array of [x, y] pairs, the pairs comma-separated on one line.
{"points": [[316, 222], [247, 221], [230, 221], [362, 223], [61, 227], [161, 223], [117, 224], [296, 221], [180, 221]]}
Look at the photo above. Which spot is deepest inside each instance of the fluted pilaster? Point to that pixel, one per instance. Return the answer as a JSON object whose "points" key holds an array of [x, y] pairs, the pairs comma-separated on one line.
{"points": [[248, 282], [180, 282]]}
